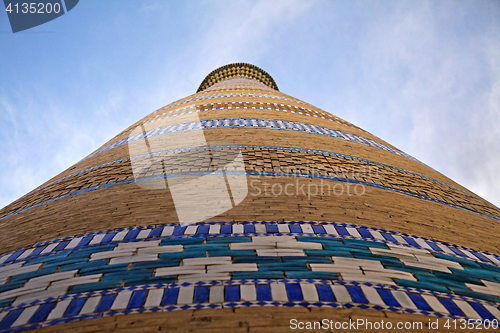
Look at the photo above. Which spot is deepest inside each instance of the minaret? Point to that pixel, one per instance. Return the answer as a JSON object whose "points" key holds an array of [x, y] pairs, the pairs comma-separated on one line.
{"points": [[243, 209]]}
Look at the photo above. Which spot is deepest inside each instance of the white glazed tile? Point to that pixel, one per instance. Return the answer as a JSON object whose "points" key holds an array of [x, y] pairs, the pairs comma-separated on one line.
{"points": [[435, 304], [74, 242], [353, 232], [399, 239], [112, 254], [49, 248], [283, 228], [232, 268], [121, 300], [309, 292], [372, 295], [377, 235], [24, 254], [14, 269], [144, 233], [179, 270], [167, 231], [154, 298], [404, 300], [307, 229], [97, 239], [493, 310], [216, 294], [59, 309], [191, 230], [161, 249], [238, 229], [278, 292], [25, 315], [120, 236], [214, 229], [300, 245], [77, 280], [330, 229], [90, 305], [467, 309], [185, 295], [248, 292], [260, 228], [341, 294]]}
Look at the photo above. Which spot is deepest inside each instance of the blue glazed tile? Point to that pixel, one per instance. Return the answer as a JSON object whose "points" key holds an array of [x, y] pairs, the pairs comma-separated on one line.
{"points": [[257, 260], [201, 294], [316, 260], [37, 251], [179, 231], [156, 232], [311, 275], [183, 241], [232, 253], [92, 287], [364, 243], [85, 241], [202, 230], [451, 306], [232, 293], [10, 318], [411, 242], [421, 285], [249, 228], [55, 264], [318, 229], [226, 229], [419, 301], [182, 255], [439, 281], [118, 276], [228, 240], [75, 307], [434, 246], [257, 275], [294, 292], [6, 302], [323, 240], [150, 280], [460, 278], [489, 267], [457, 251], [12, 285], [93, 263], [211, 246], [61, 246], [295, 228], [469, 293], [105, 303], [155, 264], [342, 231], [480, 256], [47, 258], [132, 234], [42, 312], [263, 292], [272, 228], [482, 311], [357, 295], [104, 269], [325, 293], [108, 237], [40, 272], [137, 299], [365, 233], [462, 261], [389, 237], [388, 297], [170, 296], [14, 256]]}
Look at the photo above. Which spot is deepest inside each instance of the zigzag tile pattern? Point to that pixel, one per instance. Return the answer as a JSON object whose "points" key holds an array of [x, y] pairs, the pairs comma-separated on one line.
{"points": [[214, 265]]}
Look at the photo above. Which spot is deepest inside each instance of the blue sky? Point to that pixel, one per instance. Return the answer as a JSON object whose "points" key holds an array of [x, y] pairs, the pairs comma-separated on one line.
{"points": [[422, 75]]}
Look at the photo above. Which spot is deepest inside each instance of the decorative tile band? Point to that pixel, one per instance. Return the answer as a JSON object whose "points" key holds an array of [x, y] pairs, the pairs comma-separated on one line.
{"points": [[255, 123], [258, 173], [217, 295], [248, 105], [245, 147], [214, 265]]}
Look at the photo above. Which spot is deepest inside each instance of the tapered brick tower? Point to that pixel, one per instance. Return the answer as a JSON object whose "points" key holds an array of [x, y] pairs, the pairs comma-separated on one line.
{"points": [[243, 209]]}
